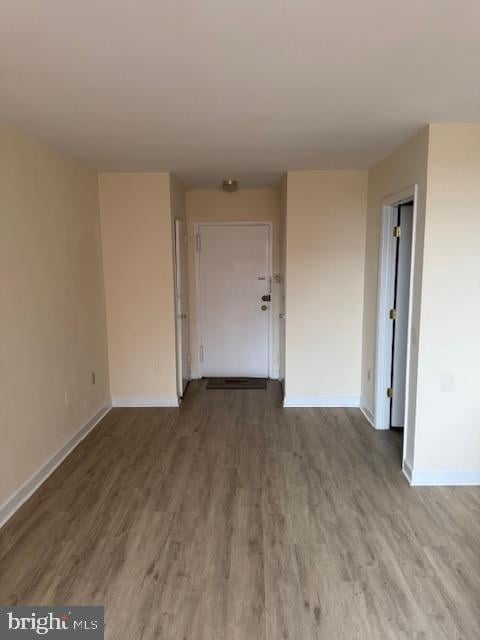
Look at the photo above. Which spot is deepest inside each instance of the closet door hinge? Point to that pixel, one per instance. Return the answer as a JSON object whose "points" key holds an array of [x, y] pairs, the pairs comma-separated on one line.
{"points": [[397, 232], [393, 314], [389, 392]]}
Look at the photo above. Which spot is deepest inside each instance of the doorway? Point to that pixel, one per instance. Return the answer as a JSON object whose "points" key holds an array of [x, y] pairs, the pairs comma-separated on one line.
{"points": [[397, 241], [181, 308], [403, 214], [233, 269]]}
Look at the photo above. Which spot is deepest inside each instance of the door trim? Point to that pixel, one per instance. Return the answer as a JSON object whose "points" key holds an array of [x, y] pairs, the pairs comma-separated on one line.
{"points": [[269, 225], [180, 348], [381, 416]]}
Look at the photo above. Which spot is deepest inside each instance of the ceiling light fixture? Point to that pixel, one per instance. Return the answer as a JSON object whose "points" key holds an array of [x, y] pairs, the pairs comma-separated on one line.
{"points": [[230, 185]]}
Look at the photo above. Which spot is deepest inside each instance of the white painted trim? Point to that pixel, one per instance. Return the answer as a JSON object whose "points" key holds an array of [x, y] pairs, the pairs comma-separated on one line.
{"points": [[400, 197], [409, 410], [145, 401], [255, 223], [384, 302], [275, 375], [407, 471], [446, 478], [21, 495], [368, 414], [321, 401], [195, 375], [180, 348]]}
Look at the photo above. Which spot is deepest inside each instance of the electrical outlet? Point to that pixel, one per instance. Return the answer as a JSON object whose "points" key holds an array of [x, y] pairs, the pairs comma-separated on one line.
{"points": [[67, 398], [93, 378]]}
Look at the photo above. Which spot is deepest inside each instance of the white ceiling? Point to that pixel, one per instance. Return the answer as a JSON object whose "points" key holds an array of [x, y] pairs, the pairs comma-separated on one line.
{"points": [[244, 88]]}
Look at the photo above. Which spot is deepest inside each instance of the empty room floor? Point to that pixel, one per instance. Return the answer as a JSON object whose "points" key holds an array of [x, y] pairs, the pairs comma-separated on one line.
{"points": [[232, 518]]}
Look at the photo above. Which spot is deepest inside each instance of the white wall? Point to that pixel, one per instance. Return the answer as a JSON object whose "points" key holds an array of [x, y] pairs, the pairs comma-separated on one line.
{"points": [[448, 398], [244, 205], [325, 253], [52, 320], [136, 218], [405, 167]]}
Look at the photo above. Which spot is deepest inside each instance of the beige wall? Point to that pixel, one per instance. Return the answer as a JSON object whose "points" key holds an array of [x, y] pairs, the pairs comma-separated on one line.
{"points": [[215, 205], [52, 319], [326, 219], [405, 167], [136, 221], [448, 400]]}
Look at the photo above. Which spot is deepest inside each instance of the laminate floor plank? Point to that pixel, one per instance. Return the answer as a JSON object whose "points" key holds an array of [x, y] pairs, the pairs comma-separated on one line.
{"points": [[232, 518]]}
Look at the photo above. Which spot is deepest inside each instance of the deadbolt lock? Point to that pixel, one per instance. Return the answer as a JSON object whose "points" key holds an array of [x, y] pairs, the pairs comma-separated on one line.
{"points": [[266, 298]]}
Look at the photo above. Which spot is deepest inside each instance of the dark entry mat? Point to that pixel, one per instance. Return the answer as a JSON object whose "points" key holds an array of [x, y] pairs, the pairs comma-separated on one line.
{"points": [[237, 383]]}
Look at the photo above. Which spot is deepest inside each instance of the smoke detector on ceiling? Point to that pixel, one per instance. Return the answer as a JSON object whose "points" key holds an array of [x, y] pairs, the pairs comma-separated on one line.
{"points": [[230, 185]]}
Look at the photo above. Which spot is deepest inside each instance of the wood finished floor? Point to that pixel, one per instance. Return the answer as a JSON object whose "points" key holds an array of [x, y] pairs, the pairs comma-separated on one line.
{"points": [[234, 519]]}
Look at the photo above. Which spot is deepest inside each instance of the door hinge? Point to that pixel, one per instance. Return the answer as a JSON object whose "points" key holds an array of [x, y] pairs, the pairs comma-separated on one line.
{"points": [[198, 242], [393, 314], [189, 359], [396, 232], [201, 353], [389, 392]]}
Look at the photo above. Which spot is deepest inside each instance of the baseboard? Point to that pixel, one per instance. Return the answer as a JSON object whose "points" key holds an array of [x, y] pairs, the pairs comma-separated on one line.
{"points": [[145, 401], [321, 401], [21, 495], [407, 471], [368, 415], [447, 478], [275, 375]]}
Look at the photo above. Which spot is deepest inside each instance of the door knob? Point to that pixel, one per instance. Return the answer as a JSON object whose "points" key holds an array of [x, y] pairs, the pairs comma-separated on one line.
{"points": [[264, 307]]}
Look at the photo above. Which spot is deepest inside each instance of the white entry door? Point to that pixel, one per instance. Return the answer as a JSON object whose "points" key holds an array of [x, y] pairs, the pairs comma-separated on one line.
{"points": [[234, 275], [181, 307]]}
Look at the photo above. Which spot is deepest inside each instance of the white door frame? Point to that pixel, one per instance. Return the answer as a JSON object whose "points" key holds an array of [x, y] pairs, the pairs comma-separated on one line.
{"points": [[196, 228], [180, 347], [386, 282]]}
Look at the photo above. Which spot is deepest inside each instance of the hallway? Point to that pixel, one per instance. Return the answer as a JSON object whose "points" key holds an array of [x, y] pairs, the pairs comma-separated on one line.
{"points": [[233, 518]]}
